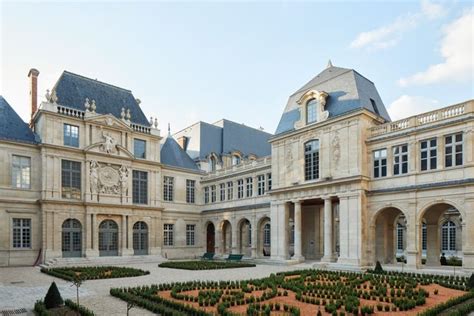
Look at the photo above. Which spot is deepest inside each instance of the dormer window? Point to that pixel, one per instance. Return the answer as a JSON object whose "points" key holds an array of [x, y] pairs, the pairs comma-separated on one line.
{"points": [[212, 164], [311, 111], [236, 160]]}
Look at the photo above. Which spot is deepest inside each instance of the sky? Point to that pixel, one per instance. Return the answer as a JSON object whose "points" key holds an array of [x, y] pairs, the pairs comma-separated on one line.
{"points": [[202, 61]]}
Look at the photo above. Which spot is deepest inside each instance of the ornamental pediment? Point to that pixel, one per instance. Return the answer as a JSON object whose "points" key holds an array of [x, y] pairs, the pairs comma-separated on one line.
{"points": [[107, 120], [109, 145]]}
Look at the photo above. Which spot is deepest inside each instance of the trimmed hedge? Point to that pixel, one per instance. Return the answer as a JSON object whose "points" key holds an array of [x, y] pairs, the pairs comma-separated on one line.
{"points": [[436, 310], [94, 273], [204, 265], [40, 308]]}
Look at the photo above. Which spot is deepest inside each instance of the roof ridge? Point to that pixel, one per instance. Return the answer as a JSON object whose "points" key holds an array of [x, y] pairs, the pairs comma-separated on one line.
{"points": [[342, 73], [96, 81]]}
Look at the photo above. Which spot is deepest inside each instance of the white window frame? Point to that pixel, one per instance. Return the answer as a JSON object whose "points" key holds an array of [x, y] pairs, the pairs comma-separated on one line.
{"points": [[456, 148], [21, 228], [21, 170], [230, 190], [261, 184], [222, 190], [168, 188], [400, 159], [190, 234], [380, 163], [249, 186], [168, 234], [429, 150], [190, 191], [240, 188]]}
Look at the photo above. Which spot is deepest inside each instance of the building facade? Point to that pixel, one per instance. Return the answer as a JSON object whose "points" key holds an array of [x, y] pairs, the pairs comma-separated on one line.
{"points": [[338, 182]]}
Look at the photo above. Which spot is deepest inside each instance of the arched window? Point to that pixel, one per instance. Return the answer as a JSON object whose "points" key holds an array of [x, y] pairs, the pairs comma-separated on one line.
{"points": [[266, 235], [311, 160], [235, 160], [400, 231], [448, 236], [311, 111], [213, 163]]}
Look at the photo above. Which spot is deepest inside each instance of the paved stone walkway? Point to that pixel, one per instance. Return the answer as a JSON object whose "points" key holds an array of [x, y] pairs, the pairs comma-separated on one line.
{"points": [[20, 287]]}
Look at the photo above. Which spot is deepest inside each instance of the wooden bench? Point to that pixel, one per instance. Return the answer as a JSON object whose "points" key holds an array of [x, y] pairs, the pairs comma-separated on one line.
{"points": [[234, 257], [208, 256]]}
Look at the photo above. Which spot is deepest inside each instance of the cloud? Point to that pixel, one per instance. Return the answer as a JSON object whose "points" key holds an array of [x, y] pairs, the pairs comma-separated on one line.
{"points": [[389, 35], [457, 51], [406, 106]]}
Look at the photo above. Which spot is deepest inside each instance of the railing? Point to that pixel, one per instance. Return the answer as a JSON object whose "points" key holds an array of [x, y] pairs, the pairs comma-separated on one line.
{"points": [[70, 112], [140, 128], [423, 119]]}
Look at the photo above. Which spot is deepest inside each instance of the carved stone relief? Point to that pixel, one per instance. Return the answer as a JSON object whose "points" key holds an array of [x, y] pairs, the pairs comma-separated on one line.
{"points": [[108, 179], [109, 145]]}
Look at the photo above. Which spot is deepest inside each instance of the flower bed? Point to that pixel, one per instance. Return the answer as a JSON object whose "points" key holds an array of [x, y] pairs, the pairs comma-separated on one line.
{"points": [[93, 273], [204, 265], [305, 292]]}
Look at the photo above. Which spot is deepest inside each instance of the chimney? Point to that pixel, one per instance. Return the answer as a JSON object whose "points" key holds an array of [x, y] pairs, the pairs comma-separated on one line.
{"points": [[33, 75], [183, 142]]}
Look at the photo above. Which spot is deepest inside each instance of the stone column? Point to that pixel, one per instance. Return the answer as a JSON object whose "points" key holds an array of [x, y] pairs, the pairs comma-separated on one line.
{"points": [[432, 245], [255, 236], [328, 243], [234, 245], [298, 253], [217, 240], [279, 231]]}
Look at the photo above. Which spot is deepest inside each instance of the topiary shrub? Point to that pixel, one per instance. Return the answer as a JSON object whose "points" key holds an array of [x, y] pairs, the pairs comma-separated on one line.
{"points": [[378, 268], [470, 282], [53, 298]]}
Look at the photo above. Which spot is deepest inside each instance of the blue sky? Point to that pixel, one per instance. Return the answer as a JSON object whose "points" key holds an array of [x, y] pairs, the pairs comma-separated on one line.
{"points": [[191, 61]]}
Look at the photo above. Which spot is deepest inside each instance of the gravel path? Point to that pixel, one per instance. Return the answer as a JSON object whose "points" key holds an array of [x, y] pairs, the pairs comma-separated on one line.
{"points": [[20, 287]]}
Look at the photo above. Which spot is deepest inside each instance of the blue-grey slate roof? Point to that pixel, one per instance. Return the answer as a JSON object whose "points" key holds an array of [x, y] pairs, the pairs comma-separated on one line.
{"points": [[245, 139], [72, 91], [12, 126], [173, 155], [348, 91]]}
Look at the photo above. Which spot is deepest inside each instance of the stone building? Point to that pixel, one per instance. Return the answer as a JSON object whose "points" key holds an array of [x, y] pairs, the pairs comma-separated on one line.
{"points": [[338, 182]]}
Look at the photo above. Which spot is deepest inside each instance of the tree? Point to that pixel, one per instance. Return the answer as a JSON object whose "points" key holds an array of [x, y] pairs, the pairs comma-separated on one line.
{"points": [[378, 268], [53, 298], [77, 282]]}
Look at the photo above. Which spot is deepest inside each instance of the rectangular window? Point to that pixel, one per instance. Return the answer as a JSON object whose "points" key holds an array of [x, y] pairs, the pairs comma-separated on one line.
{"points": [[139, 148], [71, 179], [213, 193], [190, 191], [400, 159], [168, 188], [261, 184], [380, 163], [428, 151], [206, 195], [230, 190], [240, 188], [222, 191], [190, 233], [168, 234], [140, 187], [453, 150], [71, 135], [21, 233], [269, 181], [21, 172], [249, 187]]}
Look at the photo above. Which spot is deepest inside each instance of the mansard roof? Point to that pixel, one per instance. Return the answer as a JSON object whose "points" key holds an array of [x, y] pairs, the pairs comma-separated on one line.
{"points": [[72, 91], [173, 155], [347, 89], [12, 126]]}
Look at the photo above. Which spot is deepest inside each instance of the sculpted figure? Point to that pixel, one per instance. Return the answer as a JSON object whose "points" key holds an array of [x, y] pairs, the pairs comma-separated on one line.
{"points": [[123, 173], [109, 143], [94, 177]]}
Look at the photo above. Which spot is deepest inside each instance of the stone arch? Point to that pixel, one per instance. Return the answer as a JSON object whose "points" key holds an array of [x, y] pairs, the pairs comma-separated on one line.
{"points": [[71, 238], [244, 236], [226, 236], [264, 241], [434, 214], [210, 231], [384, 234]]}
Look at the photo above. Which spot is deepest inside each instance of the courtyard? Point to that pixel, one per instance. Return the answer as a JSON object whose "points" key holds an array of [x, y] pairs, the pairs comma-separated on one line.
{"points": [[20, 287]]}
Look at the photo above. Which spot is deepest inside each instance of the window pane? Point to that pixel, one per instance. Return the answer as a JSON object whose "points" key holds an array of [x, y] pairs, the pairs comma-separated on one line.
{"points": [[139, 148]]}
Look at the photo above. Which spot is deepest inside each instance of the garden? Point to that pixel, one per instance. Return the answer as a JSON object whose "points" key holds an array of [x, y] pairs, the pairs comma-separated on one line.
{"points": [[93, 273], [204, 265], [306, 292]]}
